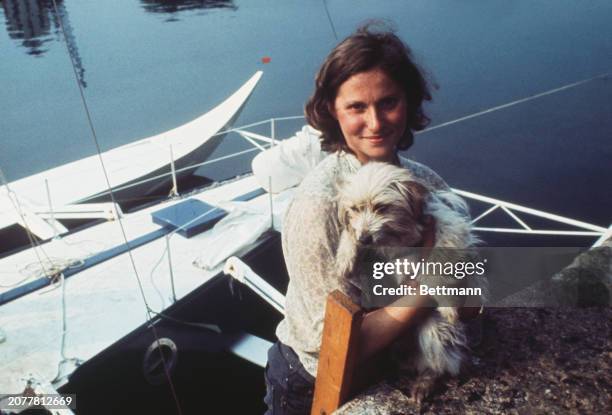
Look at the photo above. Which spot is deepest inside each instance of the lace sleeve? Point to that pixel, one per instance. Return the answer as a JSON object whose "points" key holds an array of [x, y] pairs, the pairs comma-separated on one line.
{"points": [[433, 180], [310, 239], [425, 174]]}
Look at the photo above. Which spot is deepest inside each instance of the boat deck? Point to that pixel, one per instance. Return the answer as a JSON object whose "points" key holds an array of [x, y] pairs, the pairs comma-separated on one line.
{"points": [[103, 302]]}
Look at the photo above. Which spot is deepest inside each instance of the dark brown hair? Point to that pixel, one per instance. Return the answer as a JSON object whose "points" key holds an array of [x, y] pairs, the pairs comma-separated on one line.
{"points": [[362, 51]]}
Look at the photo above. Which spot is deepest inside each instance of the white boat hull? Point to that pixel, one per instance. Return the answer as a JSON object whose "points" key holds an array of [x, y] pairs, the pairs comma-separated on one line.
{"points": [[84, 181]]}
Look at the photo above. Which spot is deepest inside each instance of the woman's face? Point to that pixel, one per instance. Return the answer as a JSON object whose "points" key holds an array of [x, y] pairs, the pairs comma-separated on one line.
{"points": [[371, 110]]}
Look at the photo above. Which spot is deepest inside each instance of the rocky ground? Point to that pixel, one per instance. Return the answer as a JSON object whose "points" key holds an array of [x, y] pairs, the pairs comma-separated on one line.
{"points": [[534, 361], [530, 360]]}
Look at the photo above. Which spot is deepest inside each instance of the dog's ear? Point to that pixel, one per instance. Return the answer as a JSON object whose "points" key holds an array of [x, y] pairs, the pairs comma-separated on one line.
{"points": [[343, 216], [342, 208], [415, 195], [346, 256]]}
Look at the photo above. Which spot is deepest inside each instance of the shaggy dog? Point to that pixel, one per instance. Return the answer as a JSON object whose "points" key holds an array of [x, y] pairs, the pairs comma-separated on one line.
{"points": [[381, 207]]}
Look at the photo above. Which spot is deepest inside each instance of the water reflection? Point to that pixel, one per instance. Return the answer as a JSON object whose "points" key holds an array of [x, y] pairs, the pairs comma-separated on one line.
{"points": [[176, 6], [30, 21]]}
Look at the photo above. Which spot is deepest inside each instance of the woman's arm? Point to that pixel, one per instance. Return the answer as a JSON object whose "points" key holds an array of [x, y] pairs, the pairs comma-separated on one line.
{"points": [[381, 327]]}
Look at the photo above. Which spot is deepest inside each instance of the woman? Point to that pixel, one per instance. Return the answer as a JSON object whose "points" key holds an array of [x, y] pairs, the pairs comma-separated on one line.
{"points": [[367, 103]]}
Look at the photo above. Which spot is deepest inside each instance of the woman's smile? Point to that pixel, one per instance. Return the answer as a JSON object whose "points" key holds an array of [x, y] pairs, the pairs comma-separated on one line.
{"points": [[371, 110]]}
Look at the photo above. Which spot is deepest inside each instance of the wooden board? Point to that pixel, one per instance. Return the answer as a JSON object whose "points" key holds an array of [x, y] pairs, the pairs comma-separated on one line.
{"points": [[339, 352]]}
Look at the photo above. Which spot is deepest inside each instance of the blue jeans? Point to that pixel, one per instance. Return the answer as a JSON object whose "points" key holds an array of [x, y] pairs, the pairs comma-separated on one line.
{"points": [[289, 386]]}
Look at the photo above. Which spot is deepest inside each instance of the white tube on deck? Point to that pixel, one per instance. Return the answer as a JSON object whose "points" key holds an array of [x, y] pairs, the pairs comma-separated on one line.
{"points": [[243, 273]]}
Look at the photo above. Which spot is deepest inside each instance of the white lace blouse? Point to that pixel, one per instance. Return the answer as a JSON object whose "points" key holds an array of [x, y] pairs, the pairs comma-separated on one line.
{"points": [[310, 239]]}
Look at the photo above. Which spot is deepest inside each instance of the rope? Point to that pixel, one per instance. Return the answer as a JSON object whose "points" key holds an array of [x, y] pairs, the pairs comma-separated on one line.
{"points": [[113, 199], [513, 103], [152, 278], [54, 267], [17, 206], [65, 359], [163, 254], [329, 19]]}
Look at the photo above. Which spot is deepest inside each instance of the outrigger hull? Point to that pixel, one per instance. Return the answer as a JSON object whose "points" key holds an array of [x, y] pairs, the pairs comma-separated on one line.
{"points": [[153, 183], [207, 374], [133, 169]]}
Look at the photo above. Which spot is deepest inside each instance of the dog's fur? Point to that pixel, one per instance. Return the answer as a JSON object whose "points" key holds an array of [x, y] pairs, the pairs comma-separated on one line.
{"points": [[382, 206]]}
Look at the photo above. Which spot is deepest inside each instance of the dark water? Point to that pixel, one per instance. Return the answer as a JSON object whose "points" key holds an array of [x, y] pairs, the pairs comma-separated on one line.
{"points": [[150, 65]]}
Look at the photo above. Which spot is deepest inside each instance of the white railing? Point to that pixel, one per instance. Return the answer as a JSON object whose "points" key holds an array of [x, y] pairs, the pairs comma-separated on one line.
{"points": [[511, 209], [270, 141], [260, 142]]}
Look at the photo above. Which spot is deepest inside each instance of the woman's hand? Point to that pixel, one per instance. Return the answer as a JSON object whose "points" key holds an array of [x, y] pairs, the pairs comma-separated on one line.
{"points": [[381, 327], [429, 241]]}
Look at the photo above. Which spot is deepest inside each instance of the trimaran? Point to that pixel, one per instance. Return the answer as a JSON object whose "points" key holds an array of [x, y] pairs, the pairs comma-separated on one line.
{"points": [[72, 307], [69, 191], [72, 304]]}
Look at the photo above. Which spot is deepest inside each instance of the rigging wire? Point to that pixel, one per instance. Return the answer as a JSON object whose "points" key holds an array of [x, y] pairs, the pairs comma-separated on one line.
{"points": [[33, 242], [329, 19], [50, 267], [65, 359], [54, 273], [149, 310], [516, 102], [152, 278], [112, 195], [167, 251]]}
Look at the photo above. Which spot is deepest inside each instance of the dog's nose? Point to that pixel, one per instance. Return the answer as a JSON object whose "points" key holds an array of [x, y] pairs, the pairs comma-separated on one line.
{"points": [[365, 239]]}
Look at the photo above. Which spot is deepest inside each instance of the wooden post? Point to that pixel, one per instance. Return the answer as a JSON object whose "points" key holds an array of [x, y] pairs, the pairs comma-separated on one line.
{"points": [[339, 353]]}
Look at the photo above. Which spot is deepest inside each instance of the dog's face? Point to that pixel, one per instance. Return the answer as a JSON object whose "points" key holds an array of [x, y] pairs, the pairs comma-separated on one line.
{"points": [[382, 204]]}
